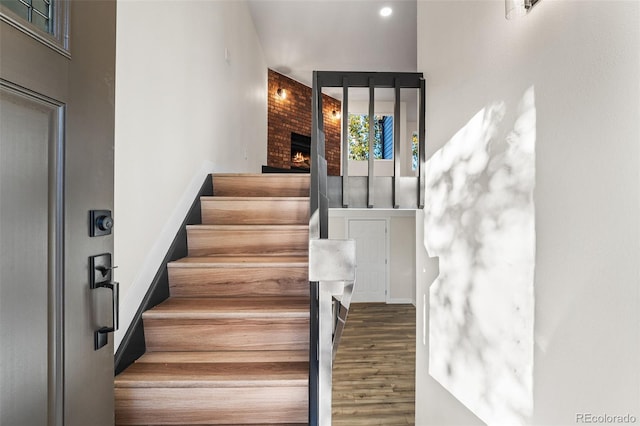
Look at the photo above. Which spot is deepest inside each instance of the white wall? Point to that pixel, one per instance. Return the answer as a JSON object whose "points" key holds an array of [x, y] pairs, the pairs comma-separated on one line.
{"points": [[435, 406], [583, 60], [402, 259], [402, 253], [182, 111]]}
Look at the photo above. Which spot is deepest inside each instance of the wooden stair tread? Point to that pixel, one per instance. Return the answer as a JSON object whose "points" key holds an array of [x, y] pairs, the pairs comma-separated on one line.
{"points": [[261, 185], [221, 261], [252, 198], [301, 176], [198, 375], [225, 357], [252, 228], [239, 276], [248, 240], [229, 308], [253, 210]]}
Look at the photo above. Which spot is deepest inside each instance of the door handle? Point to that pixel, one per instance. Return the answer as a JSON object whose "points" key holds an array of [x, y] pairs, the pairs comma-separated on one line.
{"points": [[115, 296], [100, 268], [100, 335]]}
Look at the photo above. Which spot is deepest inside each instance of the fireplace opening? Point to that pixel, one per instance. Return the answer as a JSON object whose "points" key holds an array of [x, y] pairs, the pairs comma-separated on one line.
{"points": [[300, 151]]}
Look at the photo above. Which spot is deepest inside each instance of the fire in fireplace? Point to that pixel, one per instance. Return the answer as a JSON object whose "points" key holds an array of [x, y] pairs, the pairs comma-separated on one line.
{"points": [[300, 151]]}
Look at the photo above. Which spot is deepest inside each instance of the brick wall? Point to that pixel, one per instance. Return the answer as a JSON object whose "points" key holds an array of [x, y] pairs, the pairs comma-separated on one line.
{"points": [[293, 114]]}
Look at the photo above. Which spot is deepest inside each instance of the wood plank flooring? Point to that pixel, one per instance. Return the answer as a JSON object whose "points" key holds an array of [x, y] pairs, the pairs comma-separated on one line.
{"points": [[374, 370]]}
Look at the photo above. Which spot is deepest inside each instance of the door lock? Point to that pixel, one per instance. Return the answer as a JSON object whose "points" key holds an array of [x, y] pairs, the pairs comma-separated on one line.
{"points": [[100, 222]]}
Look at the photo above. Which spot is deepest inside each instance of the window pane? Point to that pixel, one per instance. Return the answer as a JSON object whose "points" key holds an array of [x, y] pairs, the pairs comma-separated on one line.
{"points": [[414, 151], [37, 12], [41, 7], [386, 136], [40, 22], [359, 137], [16, 6]]}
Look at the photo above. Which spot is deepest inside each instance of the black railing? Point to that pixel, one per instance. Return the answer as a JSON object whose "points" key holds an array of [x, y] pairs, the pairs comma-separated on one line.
{"points": [[405, 191], [318, 229], [373, 191]]}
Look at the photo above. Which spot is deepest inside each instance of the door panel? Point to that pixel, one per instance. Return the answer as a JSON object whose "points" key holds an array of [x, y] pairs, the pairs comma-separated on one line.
{"points": [[83, 87], [29, 360], [371, 255]]}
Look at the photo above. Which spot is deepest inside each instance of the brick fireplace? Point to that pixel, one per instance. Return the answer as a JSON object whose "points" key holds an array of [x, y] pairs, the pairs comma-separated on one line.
{"points": [[289, 123]]}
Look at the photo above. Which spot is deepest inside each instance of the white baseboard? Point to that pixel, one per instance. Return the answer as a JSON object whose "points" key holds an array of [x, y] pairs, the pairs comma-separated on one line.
{"points": [[129, 304], [403, 301]]}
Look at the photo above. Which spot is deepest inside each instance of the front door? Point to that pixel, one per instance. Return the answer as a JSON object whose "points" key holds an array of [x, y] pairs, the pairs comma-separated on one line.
{"points": [[57, 69]]}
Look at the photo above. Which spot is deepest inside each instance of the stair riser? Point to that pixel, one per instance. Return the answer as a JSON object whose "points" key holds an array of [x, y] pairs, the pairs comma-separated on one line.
{"points": [[179, 406], [224, 282], [226, 334], [275, 242], [216, 212], [261, 186]]}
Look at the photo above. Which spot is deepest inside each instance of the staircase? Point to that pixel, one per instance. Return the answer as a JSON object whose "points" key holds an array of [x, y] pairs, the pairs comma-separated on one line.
{"points": [[231, 344]]}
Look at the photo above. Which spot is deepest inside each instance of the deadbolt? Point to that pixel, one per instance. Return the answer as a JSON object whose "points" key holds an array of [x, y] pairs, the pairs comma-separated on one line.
{"points": [[100, 222], [104, 223]]}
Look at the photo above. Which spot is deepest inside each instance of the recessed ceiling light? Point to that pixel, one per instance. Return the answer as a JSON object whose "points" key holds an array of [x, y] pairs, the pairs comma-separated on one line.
{"points": [[386, 11]]}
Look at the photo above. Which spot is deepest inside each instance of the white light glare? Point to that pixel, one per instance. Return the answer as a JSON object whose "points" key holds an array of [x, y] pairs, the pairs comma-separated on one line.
{"points": [[386, 11]]}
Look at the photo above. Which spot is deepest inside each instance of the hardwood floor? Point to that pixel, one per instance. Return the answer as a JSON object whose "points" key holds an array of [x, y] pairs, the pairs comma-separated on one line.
{"points": [[374, 370]]}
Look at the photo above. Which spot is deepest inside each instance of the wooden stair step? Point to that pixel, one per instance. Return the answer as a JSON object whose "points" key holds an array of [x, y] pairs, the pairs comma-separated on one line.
{"points": [[261, 185], [225, 357], [225, 276], [212, 406], [209, 375], [255, 210], [227, 308], [222, 261], [231, 324], [212, 393], [285, 240]]}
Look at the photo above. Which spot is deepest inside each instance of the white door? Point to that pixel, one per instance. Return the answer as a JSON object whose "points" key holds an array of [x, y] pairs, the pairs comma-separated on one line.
{"points": [[371, 260], [56, 164]]}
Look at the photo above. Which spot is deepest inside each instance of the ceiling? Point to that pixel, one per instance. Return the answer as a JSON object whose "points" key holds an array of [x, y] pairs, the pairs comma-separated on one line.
{"points": [[300, 36]]}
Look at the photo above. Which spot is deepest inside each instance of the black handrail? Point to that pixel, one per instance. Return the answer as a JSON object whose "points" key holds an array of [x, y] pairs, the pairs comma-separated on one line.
{"points": [[319, 218], [317, 158]]}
